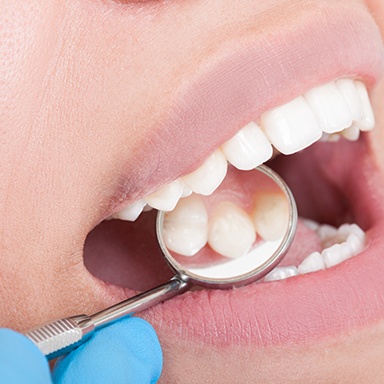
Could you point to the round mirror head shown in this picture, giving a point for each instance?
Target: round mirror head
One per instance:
(234, 236)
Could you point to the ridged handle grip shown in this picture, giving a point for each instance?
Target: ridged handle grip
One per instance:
(61, 336)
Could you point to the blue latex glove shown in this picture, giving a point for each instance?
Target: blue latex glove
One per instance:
(125, 352)
(21, 361)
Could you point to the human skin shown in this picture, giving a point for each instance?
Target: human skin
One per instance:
(83, 87)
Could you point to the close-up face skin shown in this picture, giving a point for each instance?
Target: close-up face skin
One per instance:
(103, 102)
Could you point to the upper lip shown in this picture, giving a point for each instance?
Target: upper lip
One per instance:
(234, 86)
(242, 79)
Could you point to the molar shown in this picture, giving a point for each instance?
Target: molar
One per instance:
(231, 232)
(185, 229)
(270, 215)
(248, 148)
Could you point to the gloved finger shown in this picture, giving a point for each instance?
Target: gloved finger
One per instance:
(21, 361)
(127, 351)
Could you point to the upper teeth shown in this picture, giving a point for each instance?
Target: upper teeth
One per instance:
(341, 107)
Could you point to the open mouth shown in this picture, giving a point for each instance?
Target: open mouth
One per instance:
(314, 142)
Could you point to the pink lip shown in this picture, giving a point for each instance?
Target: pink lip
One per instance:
(234, 86)
(242, 79)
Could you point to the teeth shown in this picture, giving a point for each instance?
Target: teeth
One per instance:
(248, 148)
(338, 109)
(166, 198)
(270, 215)
(330, 108)
(351, 96)
(368, 120)
(209, 176)
(231, 232)
(352, 133)
(186, 227)
(281, 273)
(312, 263)
(291, 127)
(130, 213)
(340, 244)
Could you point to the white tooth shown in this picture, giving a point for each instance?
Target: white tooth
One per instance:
(311, 224)
(346, 229)
(312, 263)
(130, 213)
(355, 243)
(352, 133)
(368, 120)
(185, 229)
(281, 273)
(330, 107)
(209, 176)
(186, 191)
(248, 148)
(330, 137)
(270, 215)
(326, 233)
(348, 89)
(231, 232)
(291, 127)
(166, 198)
(336, 254)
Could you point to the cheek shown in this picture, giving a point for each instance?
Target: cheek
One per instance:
(376, 8)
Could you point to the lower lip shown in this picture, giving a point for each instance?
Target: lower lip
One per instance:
(299, 309)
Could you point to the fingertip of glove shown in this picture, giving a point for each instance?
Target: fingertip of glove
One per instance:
(17, 349)
(126, 351)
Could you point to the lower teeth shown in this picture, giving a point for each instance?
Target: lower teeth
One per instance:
(339, 244)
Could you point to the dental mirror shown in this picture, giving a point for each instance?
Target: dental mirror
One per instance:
(229, 239)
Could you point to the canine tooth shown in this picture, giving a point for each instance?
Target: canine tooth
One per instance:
(231, 232)
(185, 228)
(312, 263)
(291, 127)
(209, 176)
(355, 243)
(336, 254)
(130, 213)
(330, 107)
(281, 273)
(367, 122)
(248, 148)
(166, 198)
(348, 89)
(270, 215)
